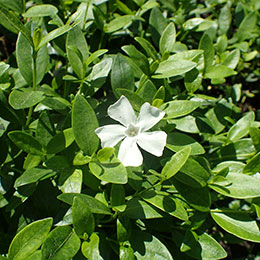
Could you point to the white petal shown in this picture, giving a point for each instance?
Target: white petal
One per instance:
(149, 116)
(110, 135)
(129, 154)
(152, 142)
(122, 112)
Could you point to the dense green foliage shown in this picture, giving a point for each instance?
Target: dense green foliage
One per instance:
(63, 63)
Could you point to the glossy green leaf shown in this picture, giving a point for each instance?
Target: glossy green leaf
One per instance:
(219, 71)
(178, 108)
(73, 183)
(175, 163)
(241, 186)
(25, 97)
(83, 219)
(126, 253)
(118, 23)
(198, 198)
(77, 51)
(224, 19)
(253, 165)
(37, 255)
(117, 197)
(148, 48)
(45, 128)
(112, 172)
(147, 246)
(168, 38)
(26, 142)
(25, 60)
(41, 10)
(55, 33)
(137, 208)
(171, 68)
(33, 175)
(138, 58)
(165, 203)
(232, 59)
(241, 127)
(177, 141)
(84, 124)
(238, 224)
(61, 243)
(207, 46)
(14, 22)
(90, 249)
(29, 239)
(121, 74)
(95, 55)
(93, 204)
(15, 5)
(61, 141)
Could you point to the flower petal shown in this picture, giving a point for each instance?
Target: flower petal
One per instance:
(149, 116)
(129, 154)
(152, 142)
(110, 135)
(122, 112)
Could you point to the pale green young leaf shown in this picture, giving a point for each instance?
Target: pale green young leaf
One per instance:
(41, 10)
(167, 39)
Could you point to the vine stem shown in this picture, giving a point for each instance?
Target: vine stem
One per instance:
(33, 86)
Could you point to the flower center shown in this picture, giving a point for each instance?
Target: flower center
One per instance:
(132, 130)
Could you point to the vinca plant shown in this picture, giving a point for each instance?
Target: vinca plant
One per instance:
(129, 129)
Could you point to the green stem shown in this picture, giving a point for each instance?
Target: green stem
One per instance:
(33, 86)
(232, 211)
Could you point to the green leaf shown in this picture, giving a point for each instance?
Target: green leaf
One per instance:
(121, 74)
(137, 208)
(255, 136)
(14, 23)
(174, 67)
(73, 183)
(247, 27)
(90, 249)
(26, 142)
(238, 224)
(118, 23)
(41, 10)
(95, 55)
(33, 175)
(232, 59)
(207, 46)
(165, 203)
(117, 197)
(60, 141)
(178, 108)
(94, 205)
(224, 19)
(25, 97)
(206, 247)
(147, 91)
(175, 163)
(25, 60)
(84, 124)
(135, 100)
(61, 243)
(157, 24)
(198, 198)
(219, 71)
(148, 48)
(168, 38)
(138, 58)
(147, 246)
(177, 141)
(55, 33)
(241, 186)
(83, 219)
(126, 253)
(77, 51)
(112, 172)
(253, 165)
(15, 5)
(29, 239)
(37, 255)
(45, 128)
(192, 80)
(241, 127)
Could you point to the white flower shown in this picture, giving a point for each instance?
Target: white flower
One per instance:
(133, 132)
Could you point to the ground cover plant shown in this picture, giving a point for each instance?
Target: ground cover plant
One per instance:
(129, 129)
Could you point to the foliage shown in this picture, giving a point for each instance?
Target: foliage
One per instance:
(62, 196)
